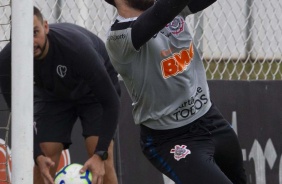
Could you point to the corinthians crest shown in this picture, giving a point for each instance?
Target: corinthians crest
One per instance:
(180, 152)
(62, 71)
(176, 26)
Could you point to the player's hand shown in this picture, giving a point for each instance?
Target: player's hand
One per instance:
(44, 164)
(97, 168)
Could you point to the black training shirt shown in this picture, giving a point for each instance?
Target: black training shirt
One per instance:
(76, 66)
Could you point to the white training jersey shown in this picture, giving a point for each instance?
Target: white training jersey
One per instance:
(165, 78)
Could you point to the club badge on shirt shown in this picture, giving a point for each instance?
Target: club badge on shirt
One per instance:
(180, 152)
(62, 71)
(176, 26)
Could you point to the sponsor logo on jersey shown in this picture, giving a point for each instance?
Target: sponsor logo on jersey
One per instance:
(116, 37)
(166, 33)
(180, 152)
(176, 26)
(177, 63)
(62, 71)
(192, 105)
(155, 35)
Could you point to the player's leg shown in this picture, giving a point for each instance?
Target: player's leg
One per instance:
(110, 175)
(228, 157)
(184, 154)
(228, 153)
(53, 126)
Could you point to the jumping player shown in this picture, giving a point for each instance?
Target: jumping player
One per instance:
(73, 79)
(183, 134)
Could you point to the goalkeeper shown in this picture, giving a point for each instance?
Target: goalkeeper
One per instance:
(183, 134)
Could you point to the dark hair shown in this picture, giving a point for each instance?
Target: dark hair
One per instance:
(38, 14)
(111, 2)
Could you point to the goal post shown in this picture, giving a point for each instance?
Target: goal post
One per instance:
(22, 92)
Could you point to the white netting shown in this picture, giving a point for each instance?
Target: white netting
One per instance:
(5, 154)
(241, 39)
(93, 15)
(5, 22)
(238, 39)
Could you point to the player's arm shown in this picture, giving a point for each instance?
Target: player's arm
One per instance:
(36, 148)
(161, 13)
(44, 163)
(97, 78)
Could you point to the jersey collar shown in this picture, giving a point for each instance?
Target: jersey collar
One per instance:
(123, 19)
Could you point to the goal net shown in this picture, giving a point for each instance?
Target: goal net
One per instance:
(5, 120)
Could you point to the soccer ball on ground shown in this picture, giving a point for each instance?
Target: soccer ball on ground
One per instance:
(70, 175)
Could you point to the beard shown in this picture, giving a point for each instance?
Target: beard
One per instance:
(42, 49)
(141, 4)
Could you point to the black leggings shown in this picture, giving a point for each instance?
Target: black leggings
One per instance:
(206, 151)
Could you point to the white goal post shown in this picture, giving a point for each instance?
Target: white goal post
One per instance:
(22, 92)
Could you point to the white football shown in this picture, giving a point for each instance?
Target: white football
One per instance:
(70, 175)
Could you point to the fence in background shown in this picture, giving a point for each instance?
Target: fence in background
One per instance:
(238, 40)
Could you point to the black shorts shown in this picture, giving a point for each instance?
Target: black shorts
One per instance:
(206, 151)
(54, 120)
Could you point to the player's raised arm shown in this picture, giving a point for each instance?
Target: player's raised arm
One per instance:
(161, 13)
